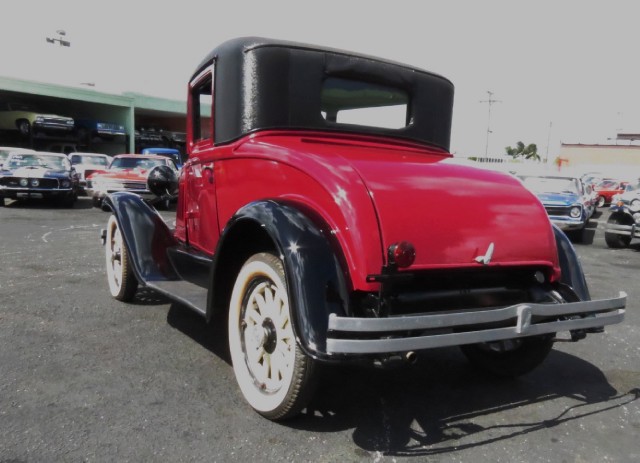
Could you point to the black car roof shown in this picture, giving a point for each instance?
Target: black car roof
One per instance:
(262, 83)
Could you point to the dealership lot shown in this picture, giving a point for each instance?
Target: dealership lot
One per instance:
(86, 378)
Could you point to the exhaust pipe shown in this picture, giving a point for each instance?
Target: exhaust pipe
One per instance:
(411, 357)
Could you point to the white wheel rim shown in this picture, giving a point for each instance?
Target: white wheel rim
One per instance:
(261, 338)
(113, 254)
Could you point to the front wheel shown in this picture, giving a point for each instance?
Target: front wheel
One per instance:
(274, 375)
(509, 358)
(122, 281)
(601, 201)
(614, 240)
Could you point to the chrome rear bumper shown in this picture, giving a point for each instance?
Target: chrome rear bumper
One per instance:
(350, 335)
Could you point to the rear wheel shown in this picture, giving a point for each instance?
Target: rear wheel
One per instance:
(601, 201)
(274, 375)
(511, 357)
(24, 127)
(122, 281)
(615, 240)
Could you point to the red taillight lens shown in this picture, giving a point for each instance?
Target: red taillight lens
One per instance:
(402, 254)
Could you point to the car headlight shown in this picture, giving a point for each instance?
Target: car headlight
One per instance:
(39, 119)
(24, 182)
(35, 182)
(575, 212)
(635, 205)
(66, 183)
(636, 217)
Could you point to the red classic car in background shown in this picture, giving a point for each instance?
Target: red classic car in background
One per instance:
(127, 172)
(606, 189)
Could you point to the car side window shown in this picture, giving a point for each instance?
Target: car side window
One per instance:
(202, 103)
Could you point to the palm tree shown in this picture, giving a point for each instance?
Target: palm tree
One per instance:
(529, 152)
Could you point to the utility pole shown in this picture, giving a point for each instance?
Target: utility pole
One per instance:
(546, 157)
(490, 101)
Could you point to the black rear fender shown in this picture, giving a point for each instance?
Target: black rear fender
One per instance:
(572, 274)
(316, 282)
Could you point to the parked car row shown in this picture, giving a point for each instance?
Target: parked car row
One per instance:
(26, 174)
(27, 120)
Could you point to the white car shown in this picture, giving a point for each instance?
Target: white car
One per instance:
(87, 163)
(630, 196)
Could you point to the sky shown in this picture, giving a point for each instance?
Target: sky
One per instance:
(562, 71)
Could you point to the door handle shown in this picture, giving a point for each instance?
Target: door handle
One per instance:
(208, 172)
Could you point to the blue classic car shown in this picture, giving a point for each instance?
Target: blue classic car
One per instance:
(171, 153)
(566, 200)
(86, 129)
(39, 175)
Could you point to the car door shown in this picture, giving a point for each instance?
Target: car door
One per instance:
(201, 217)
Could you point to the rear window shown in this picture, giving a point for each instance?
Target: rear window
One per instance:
(348, 101)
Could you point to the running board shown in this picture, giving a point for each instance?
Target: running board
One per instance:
(188, 294)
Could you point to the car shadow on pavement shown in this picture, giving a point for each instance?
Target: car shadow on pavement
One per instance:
(211, 336)
(147, 296)
(441, 405)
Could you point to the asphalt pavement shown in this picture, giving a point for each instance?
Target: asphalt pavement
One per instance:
(84, 377)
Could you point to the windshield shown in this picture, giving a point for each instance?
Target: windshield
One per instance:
(551, 184)
(90, 160)
(38, 160)
(136, 163)
(608, 184)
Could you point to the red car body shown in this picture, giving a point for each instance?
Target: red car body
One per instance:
(606, 189)
(337, 177)
(323, 239)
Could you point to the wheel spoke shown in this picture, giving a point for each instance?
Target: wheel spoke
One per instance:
(253, 316)
(268, 297)
(259, 302)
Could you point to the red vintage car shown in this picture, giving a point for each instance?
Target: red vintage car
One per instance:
(318, 220)
(606, 189)
(127, 172)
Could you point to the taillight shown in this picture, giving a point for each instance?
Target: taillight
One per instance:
(402, 254)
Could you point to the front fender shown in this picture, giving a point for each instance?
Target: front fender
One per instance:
(146, 236)
(317, 285)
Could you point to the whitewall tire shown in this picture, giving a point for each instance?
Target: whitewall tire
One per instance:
(122, 281)
(274, 375)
